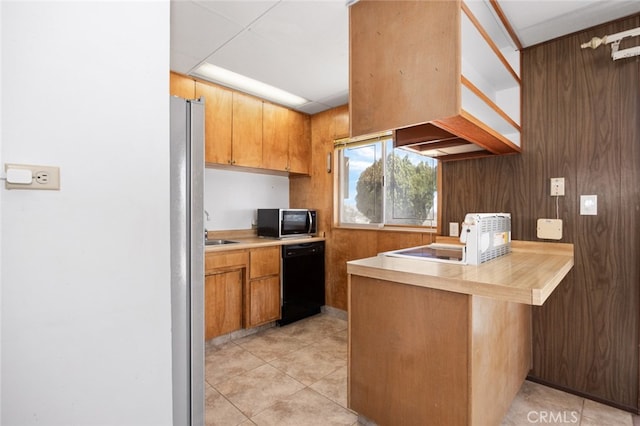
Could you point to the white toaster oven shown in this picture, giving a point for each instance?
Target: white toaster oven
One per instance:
(486, 236)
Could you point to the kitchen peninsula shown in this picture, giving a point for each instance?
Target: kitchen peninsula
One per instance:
(442, 343)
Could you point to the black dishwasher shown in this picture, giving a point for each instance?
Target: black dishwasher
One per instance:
(302, 281)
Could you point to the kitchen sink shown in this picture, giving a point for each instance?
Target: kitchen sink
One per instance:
(218, 242)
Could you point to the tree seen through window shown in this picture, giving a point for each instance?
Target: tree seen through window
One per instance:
(382, 184)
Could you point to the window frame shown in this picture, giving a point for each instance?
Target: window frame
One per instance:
(339, 146)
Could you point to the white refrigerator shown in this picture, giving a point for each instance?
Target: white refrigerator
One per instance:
(187, 260)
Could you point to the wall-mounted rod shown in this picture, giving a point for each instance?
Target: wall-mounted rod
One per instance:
(615, 39)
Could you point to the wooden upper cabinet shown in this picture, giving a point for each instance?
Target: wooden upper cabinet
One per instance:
(443, 75)
(217, 122)
(182, 86)
(286, 143)
(246, 139)
(275, 144)
(341, 122)
(245, 131)
(299, 138)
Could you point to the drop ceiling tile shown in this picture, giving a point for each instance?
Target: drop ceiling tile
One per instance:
(179, 62)
(197, 32)
(336, 99)
(529, 13)
(241, 12)
(535, 22)
(319, 26)
(313, 108)
(300, 72)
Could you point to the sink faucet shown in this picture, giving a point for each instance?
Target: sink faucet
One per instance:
(206, 232)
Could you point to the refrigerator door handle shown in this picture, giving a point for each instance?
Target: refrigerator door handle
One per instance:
(187, 259)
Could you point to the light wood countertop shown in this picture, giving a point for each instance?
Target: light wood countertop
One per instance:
(254, 242)
(529, 274)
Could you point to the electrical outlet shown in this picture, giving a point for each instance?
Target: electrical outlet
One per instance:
(557, 187)
(44, 177)
(454, 229)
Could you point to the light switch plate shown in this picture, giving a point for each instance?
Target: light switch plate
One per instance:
(454, 229)
(549, 229)
(589, 205)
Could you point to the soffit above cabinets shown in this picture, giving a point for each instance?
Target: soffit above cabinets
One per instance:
(302, 46)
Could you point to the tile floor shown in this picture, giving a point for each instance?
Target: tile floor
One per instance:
(297, 375)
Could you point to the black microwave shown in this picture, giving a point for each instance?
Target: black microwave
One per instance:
(283, 223)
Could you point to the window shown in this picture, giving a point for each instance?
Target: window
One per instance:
(380, 184)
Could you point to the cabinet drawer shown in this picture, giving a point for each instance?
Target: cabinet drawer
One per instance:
(264, 262)
(225, 260)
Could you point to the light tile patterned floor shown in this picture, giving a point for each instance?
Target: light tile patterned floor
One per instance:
(297, 375)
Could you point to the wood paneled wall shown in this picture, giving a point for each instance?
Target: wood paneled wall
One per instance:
(581, 121)
(316, 191)
(352, 244)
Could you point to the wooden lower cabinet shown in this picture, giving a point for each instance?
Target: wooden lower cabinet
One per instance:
(241, 289)
(264, 262)
(262, 301)
(421, 356)
(262, 296)
(224, 281)
(223, 302)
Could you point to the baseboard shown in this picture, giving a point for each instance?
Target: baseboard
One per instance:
(335, 312)
(632, 410)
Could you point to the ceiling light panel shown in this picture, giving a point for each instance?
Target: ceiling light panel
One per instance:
(301, 72)
(248, 85)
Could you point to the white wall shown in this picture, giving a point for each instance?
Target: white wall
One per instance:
(85, 275)
(232, 197)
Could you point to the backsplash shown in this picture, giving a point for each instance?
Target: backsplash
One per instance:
(232, 197)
